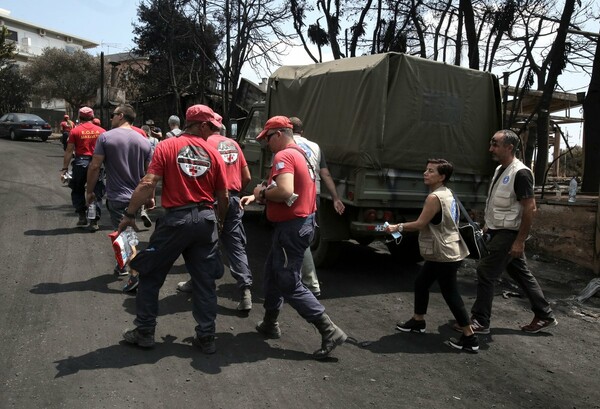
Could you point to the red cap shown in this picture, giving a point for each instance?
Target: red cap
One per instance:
(86, 113)
(66, 117)
(96, 121)
(277, 122)
(219, 119)
(201, 113)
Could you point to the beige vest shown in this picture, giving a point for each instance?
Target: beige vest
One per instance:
(442, 242)
(503, 210)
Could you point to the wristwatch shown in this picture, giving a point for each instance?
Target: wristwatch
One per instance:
(128, 215)
(261, 194)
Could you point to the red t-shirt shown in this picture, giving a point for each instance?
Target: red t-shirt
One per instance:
(192, 170)
(84, 137)
(290, 160)
(233, 157)
(66, 126)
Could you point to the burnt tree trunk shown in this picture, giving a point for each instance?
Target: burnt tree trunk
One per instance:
(591, 130)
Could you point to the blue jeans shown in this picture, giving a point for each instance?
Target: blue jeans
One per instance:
(490, 269)
(283, 278)
(233, 238)
(193, 234)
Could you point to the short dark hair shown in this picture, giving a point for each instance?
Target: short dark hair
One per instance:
(443, 167)
(510, 138)
(128, 112)
(297, 124)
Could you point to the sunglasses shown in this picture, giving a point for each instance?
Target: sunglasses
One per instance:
(269, 135)
(112, 114)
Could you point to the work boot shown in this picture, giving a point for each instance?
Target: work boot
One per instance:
(246, 301)
(83, 220)
(94, 226)
(269, 326)
(331, 336)
(141, 337)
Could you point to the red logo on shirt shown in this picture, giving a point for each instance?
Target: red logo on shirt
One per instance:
(193, 161)
(228, 152)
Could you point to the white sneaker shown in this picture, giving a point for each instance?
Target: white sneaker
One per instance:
(185, 286)
(245, 303)
(145, 218)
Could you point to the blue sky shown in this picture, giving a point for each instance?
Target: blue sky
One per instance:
(107, 22)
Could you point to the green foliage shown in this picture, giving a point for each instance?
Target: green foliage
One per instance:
(72, 76)
(572, 163)
(7, 48)
(14, 88)
(179, 47)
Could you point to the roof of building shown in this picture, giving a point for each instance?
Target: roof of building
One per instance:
(5, 18)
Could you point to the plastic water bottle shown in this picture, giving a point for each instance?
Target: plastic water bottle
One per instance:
(572, 190)
(91, 213)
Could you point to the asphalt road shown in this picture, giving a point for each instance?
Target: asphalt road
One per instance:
(63, 312)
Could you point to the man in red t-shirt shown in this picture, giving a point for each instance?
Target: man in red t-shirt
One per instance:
(81, 142)
(193, 178)
(233, 236)
(65, 127)
(290, 199)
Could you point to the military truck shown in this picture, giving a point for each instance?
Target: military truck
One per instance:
(377, 119)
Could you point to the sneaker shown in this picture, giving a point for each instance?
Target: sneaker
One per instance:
(537, 325)
(141, 338)
(412, 325)
(245, 303)
(185, 286)
(206, 343)
(94, 226)
(132, 283)
(475, 326)
(469, 344)
(120, 272)
(145, 218)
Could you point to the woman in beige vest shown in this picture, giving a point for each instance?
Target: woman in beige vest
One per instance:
(443, 249)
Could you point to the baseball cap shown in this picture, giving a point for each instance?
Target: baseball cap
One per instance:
(219, 119)
(86, 113)
(201, 113)
(96, 121)
(66, 117)
(276, 122)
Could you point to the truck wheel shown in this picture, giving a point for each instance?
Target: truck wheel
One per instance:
(13, 135)
(407, 251)
(44, 138)
(325, 253)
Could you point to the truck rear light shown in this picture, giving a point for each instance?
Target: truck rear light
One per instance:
(370, 215)
(46, 126)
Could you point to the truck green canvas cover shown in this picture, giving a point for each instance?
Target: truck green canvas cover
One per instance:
(392, 111)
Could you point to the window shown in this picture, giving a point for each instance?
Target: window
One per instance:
(12, 35)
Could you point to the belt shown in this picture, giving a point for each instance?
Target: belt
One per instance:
(199, 206)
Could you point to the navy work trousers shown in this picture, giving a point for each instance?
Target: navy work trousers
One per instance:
(193, 234)
(283, 278)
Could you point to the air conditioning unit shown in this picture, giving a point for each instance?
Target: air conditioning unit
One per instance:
(41, 31)
(69, 39)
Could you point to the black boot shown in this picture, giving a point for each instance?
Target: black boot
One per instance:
(83, 221)
(331, 336)
(141, 337)
(269, 326)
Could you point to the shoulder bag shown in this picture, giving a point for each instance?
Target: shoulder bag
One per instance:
(472, 234)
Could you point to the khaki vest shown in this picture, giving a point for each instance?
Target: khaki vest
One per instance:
(503, 210)
(442, 242)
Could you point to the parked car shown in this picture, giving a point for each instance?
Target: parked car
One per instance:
(21, 125)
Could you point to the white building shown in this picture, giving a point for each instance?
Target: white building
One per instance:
(31, 39)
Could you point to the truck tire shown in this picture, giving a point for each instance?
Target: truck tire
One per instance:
(44, 138)
(13, 135)
(325, 253)
(407, 251)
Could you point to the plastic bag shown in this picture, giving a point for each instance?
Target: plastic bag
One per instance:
(124, 245)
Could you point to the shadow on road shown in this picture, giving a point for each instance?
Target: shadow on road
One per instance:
(231, 349)
(97, 284)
